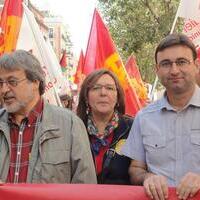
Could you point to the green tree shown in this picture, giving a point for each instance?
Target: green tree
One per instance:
(137, 26)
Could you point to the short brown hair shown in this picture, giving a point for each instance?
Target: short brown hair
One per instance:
(173, 40)
(89, 81)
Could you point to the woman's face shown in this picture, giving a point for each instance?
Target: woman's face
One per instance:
(102, 97)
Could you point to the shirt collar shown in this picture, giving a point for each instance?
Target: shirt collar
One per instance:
(194, 101)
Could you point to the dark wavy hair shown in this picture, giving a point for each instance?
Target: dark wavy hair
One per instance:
(89, 81)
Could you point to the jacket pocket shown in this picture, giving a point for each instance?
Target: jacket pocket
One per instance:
(55, 167)
(55, 157)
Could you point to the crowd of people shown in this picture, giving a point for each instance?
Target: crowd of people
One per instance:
(158, 148)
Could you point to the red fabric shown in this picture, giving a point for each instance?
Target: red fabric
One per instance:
(134, 73)
(28, 135)
(132, 68)
(10, 24)
(15, 8)
(77, 192)
(102, 53)
(79, 70)
(99, 157)
(63, 60)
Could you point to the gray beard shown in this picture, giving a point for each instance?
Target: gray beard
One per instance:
(14, 108)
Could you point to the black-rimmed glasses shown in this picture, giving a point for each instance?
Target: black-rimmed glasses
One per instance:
(11, 82)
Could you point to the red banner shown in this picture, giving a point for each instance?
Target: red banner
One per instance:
(76, 192)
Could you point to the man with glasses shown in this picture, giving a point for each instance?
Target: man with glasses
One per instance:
(39, 142)
(164, 142)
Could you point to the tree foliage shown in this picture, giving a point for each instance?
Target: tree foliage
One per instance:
(137, 26)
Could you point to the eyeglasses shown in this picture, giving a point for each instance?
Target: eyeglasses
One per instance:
(180, 62)
(108, 88)
(11, 82)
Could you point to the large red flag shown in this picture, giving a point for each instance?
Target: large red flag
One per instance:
(10, 23)
(63, 61)
(79, 71)
(136, 79)
(102, 53)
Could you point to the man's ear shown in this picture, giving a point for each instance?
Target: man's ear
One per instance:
(36, 84)
(197, 63)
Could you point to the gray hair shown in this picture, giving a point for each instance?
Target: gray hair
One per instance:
(21, 59)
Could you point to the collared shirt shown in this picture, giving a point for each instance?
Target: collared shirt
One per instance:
(21, 143)
(168, 141)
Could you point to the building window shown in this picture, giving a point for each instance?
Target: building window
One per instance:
(50, 32)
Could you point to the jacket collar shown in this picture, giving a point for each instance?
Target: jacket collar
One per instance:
(48, 121)
(122, 129)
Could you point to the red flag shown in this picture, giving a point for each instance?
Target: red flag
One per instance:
(101, 53)
(79, 71)
(134, 73)
(10, 24)
(63, 61)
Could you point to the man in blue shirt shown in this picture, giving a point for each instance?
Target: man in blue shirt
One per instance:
(164, 142)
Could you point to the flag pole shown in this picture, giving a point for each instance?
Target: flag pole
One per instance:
(172, 30)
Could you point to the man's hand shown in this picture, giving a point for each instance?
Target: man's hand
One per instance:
(189, 186)
(156, 187)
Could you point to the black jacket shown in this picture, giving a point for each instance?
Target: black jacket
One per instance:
(115, 166)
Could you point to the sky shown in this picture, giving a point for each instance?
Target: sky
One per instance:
(77, 14)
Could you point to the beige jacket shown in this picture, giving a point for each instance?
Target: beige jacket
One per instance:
(60, 151)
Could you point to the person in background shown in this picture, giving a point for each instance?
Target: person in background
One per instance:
(101, 107)
(39, 142)
(164, 140)
(66, 101)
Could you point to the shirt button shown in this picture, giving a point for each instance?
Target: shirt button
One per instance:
(29, 125)
(18, 153)
(16, 173)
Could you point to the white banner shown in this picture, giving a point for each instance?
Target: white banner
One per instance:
(189, 9)
(31, 39)
(192, 30)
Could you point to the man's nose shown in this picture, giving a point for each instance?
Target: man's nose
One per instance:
(174, 68)
(4, 87)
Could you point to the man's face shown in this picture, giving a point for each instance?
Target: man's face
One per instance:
(19, 95)
(176, 69)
